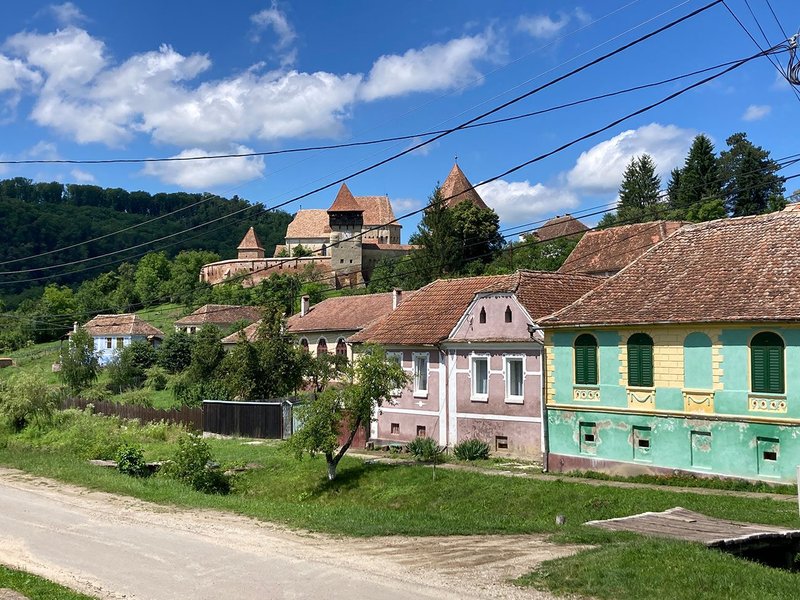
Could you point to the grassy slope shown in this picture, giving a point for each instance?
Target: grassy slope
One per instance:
(36, 588)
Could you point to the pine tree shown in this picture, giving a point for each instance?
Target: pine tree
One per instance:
(699, 178)
(750, 183)
(639, 191)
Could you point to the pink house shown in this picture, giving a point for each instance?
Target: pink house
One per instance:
(474, 355)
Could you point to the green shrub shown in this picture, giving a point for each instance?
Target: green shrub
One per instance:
(472, 449)
(96, 393)
(175, 352)
(424, 449)
(193, 465)
(136, 398)
(190, 392)
(27, 399)
(130, 461)
(157, 378)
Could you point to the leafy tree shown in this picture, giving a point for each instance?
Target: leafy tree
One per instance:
(299, 251)
(750, 181)
(241, 369)
(184, 284)
(391, 273)
(79, 363)
(231, 293)
(27, 399)
(367, 385)
(478, 230)
(152, 274)
(279, 290)
(537, 256)
(125, 297)
(207, 353)
(128, 369)
(281, 361)
(175, 352)
(699, 180)
(54, 313)
(639, 191)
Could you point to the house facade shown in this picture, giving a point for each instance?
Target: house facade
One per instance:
(473, 360)
(112, 333)
(688, 359)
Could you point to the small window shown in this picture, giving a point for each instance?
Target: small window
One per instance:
(586, 360)
(482, 316)
(322, 346)
(108, 343)
(421, 373)
(193, 330)
(341, 348)
(501, 442)
(587, 439)
(509, 315)
(766, 363)
(120, 343)
(421, 431)
(640, 360)
(395, 428)
(515, 378)
(304, 344)
(480, 377)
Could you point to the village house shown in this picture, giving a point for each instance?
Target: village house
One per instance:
(474, 358)
(560, 227)
(323, 328)
(688, 359)
(224, 316)
(605, 252)
(112, 333)
(346, 242)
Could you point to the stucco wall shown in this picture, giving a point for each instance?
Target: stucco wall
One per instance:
(495, 326)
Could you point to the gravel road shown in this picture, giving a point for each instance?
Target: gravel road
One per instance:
(118, 547)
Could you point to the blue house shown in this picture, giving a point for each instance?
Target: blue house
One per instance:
(112, 333)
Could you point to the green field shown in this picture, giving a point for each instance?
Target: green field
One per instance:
(35, 588)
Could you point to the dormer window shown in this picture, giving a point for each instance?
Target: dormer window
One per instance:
(482, 316)
(508, 314)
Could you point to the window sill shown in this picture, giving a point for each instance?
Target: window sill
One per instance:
(421, 394)
(515, 400)
(479, 398)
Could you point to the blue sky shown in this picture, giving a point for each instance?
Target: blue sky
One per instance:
(98, 79)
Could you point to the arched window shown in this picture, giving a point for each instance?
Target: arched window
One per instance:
(586, 360)
(640, 360)
(322, 346)
(482, 316)
(508, 314)
(341, 348)
(766, 363)
(304, 344)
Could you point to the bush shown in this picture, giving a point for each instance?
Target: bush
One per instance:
(190, 392)
(424, 449)
(130, 461)
(26, 399)
(175, 352)
(135, 398)
(96, 393)
(193, 465)
(157, 378)
(127, 370)
(473, 449)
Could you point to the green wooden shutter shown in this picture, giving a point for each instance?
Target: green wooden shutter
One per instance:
(580, 364)
(640, 360)
(634, 369)
(758, 361)
(775, 375)
(646, 362)
(591, 364)
(586, 360)
(766, 363)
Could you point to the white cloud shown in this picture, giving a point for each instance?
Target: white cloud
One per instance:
(82, 176)
(600, 169)
(435, 67)
(520, 202)
(66, 13)
(205, 174)
(43, 150)
(404, 205)
(542, 26)
(14, 74)
(756, 112)
(276, 20)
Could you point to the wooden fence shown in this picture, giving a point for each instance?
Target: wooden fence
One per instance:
(191, 418)
(271, 419)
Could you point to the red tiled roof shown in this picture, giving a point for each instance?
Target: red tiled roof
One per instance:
(124, 324)
(433, 312)
(220, 314)
(250, 241)
(249, 333)
(745, 269)
(344, 201)
(457, 189)
(377, 246)
(559, 227)
(309, 223)
(607, 251)
(377, 210)
(345, 313)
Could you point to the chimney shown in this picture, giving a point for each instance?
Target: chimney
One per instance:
(397, 297)
(305, 302)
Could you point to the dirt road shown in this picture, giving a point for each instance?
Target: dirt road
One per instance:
(118, 547)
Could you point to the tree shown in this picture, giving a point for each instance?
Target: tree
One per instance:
(639, 191)
(184, 284)
(699, 180)
(478, 231)
(750, 183)
(367, 385)
(152, 274)
(175, 352)
(79, 363)
(128, 369)
(207, 353)
(26, 399)
(537, 256)
(299, 251)
(54, 313)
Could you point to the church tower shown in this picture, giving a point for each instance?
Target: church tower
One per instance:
(346, 221)
(250, 247)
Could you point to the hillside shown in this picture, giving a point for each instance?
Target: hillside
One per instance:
(40, 217)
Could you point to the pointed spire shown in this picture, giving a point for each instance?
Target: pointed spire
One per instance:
(456, 189)
(345, 201)
(250, 241)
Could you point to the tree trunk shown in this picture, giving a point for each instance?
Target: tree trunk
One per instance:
(332, 464)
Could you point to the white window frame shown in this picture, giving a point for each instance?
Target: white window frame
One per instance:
(507, 360)
(474, 395)
(398, 356)
(420, 393)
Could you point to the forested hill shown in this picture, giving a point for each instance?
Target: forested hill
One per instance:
(39, 217)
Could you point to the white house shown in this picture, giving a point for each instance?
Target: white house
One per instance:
(112, 333)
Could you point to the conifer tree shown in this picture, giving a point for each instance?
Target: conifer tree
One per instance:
(699, 178)
(639, 191)
(750, 183)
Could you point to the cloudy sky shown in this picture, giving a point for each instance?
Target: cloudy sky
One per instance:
(102, 80)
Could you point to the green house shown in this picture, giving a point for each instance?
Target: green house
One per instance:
(688, 359)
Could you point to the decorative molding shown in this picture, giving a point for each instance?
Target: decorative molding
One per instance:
(641, 398)
(770, 404)
(698, 401)
(585, 394)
